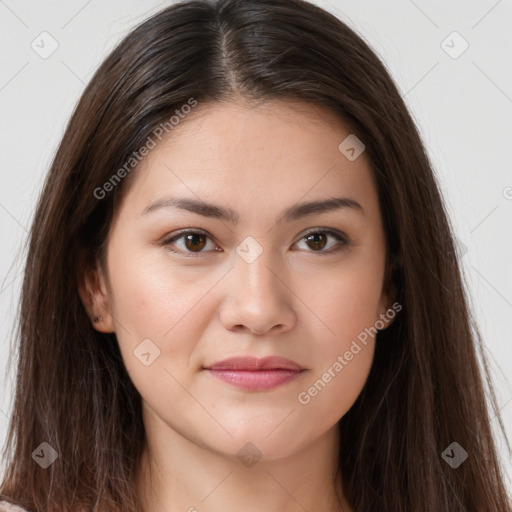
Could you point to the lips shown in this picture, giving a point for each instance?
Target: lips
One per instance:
(255, 364)
(251, 373)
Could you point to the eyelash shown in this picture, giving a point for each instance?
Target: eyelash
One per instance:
(338, 236)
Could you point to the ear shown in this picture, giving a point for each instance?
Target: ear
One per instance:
(95, 298)
(388, 307)
(387, 312)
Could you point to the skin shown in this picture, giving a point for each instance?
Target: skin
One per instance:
(293, 300)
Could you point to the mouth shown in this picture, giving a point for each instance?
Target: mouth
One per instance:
(253, 374)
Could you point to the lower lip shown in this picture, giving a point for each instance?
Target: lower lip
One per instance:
(255, 380)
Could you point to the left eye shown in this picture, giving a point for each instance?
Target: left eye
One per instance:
(318, 240)
(196, 241)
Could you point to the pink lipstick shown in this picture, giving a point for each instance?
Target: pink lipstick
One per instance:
(255, 374)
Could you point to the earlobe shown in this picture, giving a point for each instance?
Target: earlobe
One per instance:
(94, 295)
(388, 317)
(387, 313)
(389, 307)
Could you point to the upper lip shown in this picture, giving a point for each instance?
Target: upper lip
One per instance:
(254, 364)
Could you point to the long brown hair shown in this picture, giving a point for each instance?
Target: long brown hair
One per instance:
(429, 382)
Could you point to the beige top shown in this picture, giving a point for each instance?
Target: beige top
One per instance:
(5, 506)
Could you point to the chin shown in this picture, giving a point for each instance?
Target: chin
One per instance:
(257, 441)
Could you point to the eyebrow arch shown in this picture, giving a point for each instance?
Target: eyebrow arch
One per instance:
(296, 212)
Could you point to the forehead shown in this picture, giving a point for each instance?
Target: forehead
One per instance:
(244, 154)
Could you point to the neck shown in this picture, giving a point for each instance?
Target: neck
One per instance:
(183, 476)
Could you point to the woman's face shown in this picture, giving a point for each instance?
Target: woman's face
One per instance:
(260, 279)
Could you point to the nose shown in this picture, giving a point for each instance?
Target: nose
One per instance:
(257, 298)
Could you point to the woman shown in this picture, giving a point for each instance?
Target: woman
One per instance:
(242, 290)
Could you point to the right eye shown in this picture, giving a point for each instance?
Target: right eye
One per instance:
(193, 241)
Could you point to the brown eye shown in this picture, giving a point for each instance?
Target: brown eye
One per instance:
(195, 241)
(317, 240)
(190, 242)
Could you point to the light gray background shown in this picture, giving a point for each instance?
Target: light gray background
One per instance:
(463, 107)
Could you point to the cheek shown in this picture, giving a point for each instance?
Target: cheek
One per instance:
(161, 315)
(151, 300)
(332, 391)
(344, 347)
(347, 301)
(344, 352)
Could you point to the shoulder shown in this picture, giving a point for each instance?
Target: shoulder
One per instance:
(5, 506)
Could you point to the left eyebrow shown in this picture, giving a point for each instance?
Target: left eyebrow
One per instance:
(219, 212)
